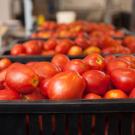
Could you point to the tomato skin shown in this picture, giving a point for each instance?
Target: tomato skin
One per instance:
(44, 69)
(32, 48)
(77, 65)
(115, 93)
(4, 63)
(95, 61)
(60, 61)
(123, 79)
(116, 64)
(50, 44)
(21, 78)
(65, 86)
(92, 96)
(132, 94)
(7, 94)
(18, 50)
(96, 81)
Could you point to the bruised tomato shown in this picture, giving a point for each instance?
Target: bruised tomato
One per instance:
(96, 82)
(60, 60)
(77, 65)
(115, 93)
(65, 86)
(18, 50)
(123, 79)
(4, 63)
(44, 69)
(21, 78)
(7, 94)
(95, 61)
(92, 96)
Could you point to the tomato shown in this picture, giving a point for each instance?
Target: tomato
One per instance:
(48, 53)
(7, 94)
(4, 63)
(32, 48)
(50, 44)
(115, 64)
(77, 65)
(36, 95)
(44, 69)
(123, 79)
(75, 51)
(92, 96)
(60, 60)
(18, 50)
(109, 58)
(95, 61)
(43, 87)
(132, 94)
(66, 85)
(21, 78)
(92, 49)
(2, 78)
(97, 81)
(63, 46)
(115, 93)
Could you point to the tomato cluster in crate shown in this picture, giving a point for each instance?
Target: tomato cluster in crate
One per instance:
(86, 38)
(93, 77)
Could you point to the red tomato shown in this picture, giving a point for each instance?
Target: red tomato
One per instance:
(109, 58)
(43, 87)
(36, 95)
(7, 94)
(50, 44)
(95, 61)
(66, 85)
(92, 96)
(2, 78)
(75, 51)
(116, 93)
(21, 78)
(32, 48)
(63, 46)
(4, 63)
(123, 79)
(60, 60)
(97, 81)
(44, 69)
(132, 94)
(77, 65)
(115, 64)
(18, 50)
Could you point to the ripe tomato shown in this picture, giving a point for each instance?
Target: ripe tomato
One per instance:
(21, 78)
(115, 93)
(123, 79)
(95, 61)
(32, 48)
(50, 44)
(43, 87)
(7, 94)
(92, 49)
(18, 50)
(96, 81)
(75, 51)
(63, 46)
(77, 65)
(66, 85)
(4, 63)
(132, 94)
(60, 60)
(44, 69)
(116, 64)
(92, 96)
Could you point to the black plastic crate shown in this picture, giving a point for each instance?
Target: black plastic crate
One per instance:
(46, 117)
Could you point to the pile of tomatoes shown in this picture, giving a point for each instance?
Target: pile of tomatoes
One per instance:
(93, 77)
(78, 38)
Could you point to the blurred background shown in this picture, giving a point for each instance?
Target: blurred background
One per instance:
(19, 17)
